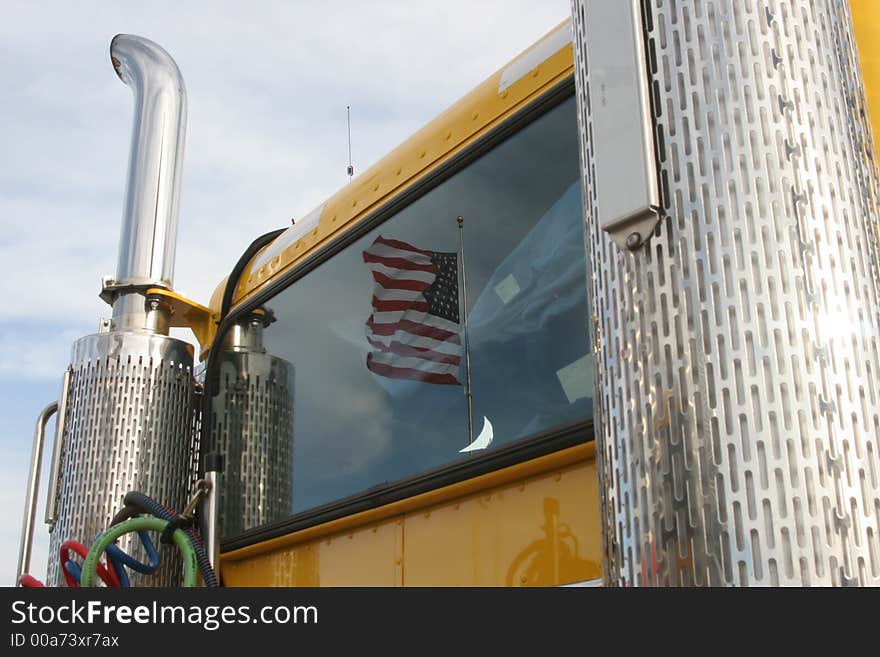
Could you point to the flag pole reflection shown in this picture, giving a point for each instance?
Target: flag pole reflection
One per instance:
(464, 329)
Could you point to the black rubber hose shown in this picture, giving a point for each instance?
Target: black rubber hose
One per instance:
(246, 257)
(139, 503)
(136, 502)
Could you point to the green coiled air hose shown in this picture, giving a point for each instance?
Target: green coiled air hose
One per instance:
(190, 567)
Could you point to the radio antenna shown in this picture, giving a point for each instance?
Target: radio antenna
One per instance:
(348, 117)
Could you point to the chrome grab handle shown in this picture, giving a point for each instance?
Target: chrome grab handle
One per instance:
(30, 508)
(55, 468)
(211, 510)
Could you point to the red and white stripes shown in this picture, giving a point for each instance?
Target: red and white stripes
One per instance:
(410, 341)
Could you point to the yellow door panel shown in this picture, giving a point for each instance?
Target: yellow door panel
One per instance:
(369, 556)
(535, 523)
(542, 531)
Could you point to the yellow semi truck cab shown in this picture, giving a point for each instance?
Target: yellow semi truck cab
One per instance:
(396, 478)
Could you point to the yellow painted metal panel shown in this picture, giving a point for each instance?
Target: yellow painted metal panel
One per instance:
(369, 556)
(866, 20)
(542, 531)
(515, 473)
(535, 524)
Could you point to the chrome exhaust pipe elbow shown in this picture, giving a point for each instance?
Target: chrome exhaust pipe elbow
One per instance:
(149, 224)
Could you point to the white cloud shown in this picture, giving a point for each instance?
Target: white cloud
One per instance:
(37, 353)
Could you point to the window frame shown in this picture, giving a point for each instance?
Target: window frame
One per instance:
(523, 449)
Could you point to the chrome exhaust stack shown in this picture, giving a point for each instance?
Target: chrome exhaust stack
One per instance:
(149, 221)
(736, 340)
(130, 417)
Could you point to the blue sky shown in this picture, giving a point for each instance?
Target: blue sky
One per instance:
(267, 82)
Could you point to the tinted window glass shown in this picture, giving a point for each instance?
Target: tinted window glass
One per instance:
(369, 348)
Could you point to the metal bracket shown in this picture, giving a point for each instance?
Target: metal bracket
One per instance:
(111, 288)
(185, 313)
(622, 130)
(203, 487)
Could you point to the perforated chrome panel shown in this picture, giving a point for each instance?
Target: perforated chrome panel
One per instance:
(129, 427)
(253, 429)
(737, 351)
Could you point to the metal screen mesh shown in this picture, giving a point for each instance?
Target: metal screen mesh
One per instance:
(129, 427)
(737, 355)
(253, 428)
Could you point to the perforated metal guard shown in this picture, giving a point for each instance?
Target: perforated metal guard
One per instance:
(737, 352)
(253, 428)
(129, 427)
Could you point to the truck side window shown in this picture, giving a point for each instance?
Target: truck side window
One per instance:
(369, 347)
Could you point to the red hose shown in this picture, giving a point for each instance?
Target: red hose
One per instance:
(30, 582)
(107, 575)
